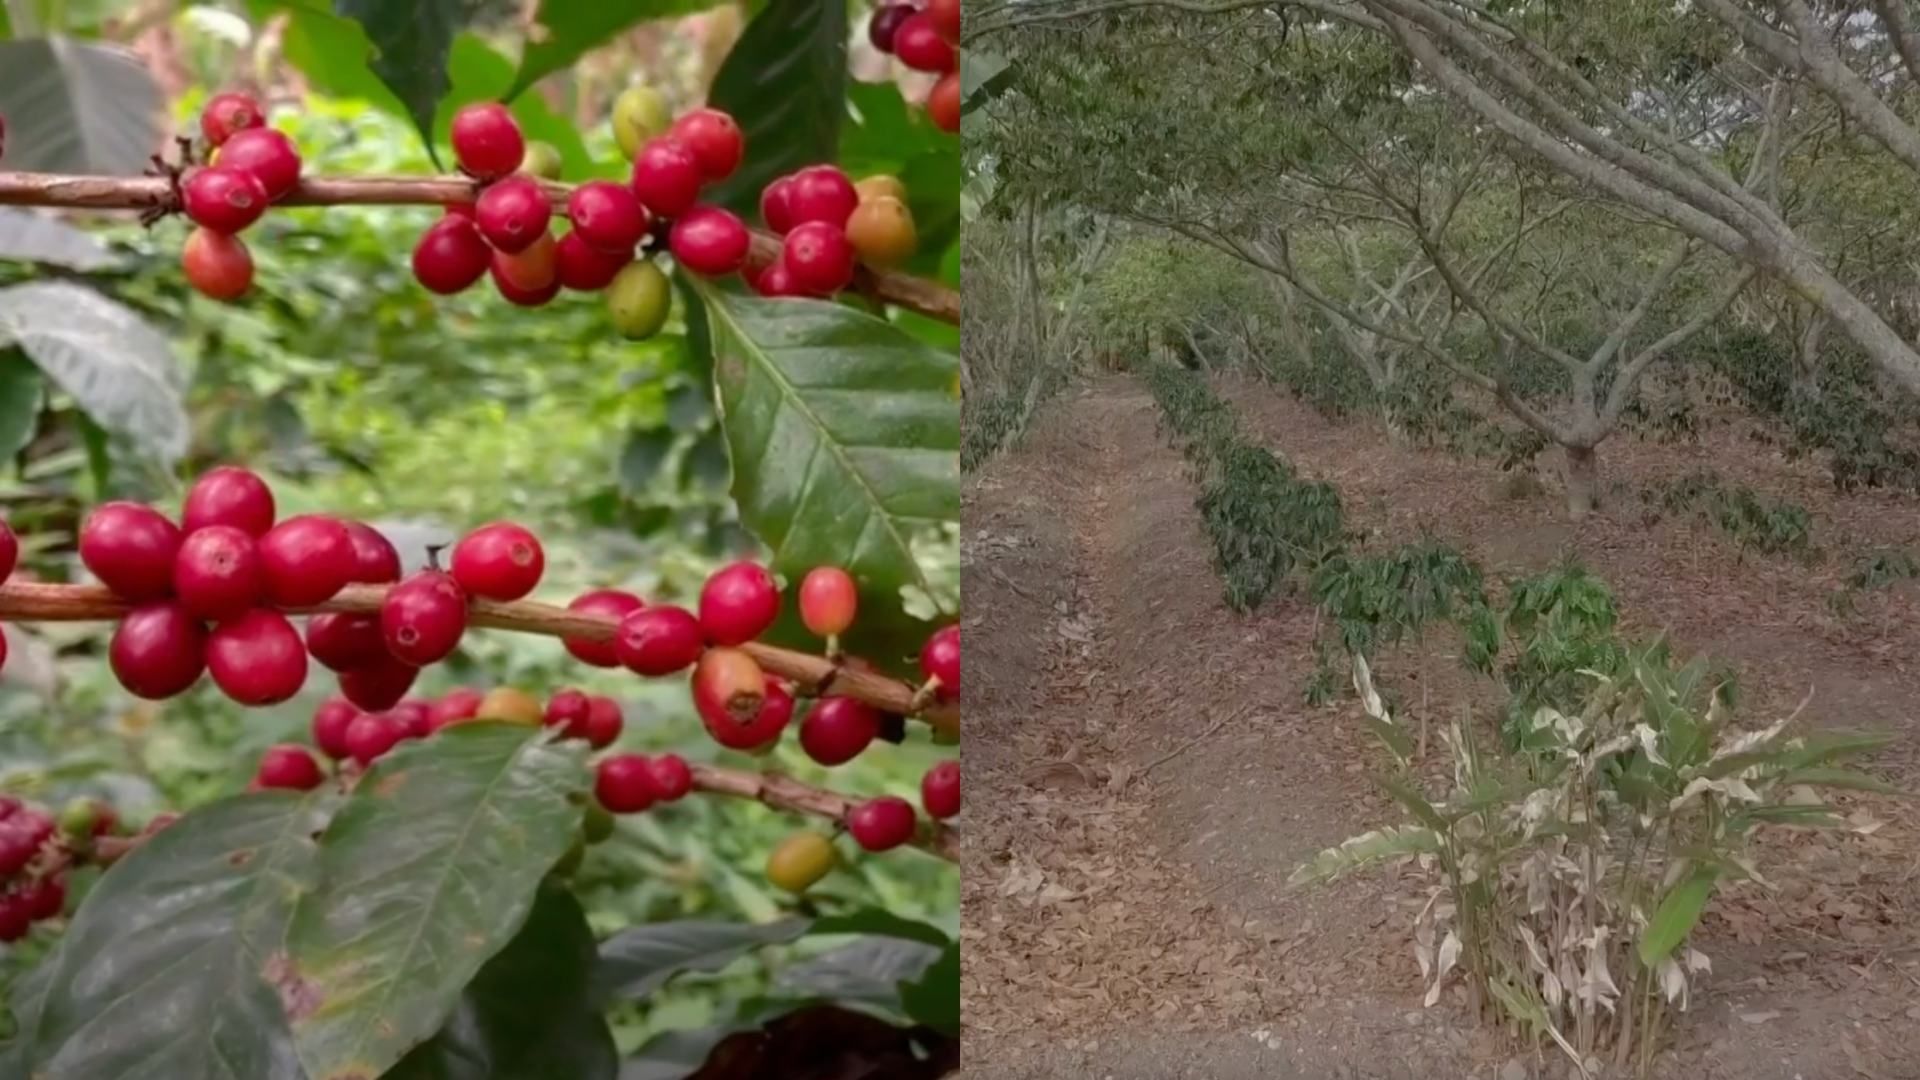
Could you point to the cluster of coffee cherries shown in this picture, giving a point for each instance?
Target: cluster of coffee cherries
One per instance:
(506, 231)
(33, 885)
(799, 861)
(827, 223)
(251, 166)
(923, 34)
(344, 732)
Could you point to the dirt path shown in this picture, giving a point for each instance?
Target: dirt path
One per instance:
(1143, 776)
(1144, 782)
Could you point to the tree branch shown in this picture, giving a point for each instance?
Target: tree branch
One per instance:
(1899, 25)
(1622, 389)
(22, 601)
(156, 193)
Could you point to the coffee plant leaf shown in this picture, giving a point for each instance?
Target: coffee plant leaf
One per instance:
(29, 236)
(564, 30)
(117, 367)
(528, 1014)
(869, 970)
(785, 83)
(844, 435)
(410, 43)
(933, 999)
(427, 871)
(73, 107)
(636, 962)
(21, 392)
(166, 968)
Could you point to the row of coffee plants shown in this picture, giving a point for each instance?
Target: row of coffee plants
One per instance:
(1570, 859)
(1749, 519)
(1265, 521)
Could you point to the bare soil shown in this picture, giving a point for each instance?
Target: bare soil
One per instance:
(1144, 774)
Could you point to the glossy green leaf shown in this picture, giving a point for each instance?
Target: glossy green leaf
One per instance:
(634, 963)
(28, 236)
(21, 394)
(868, 970)
(566, 29)
(168, 967)
(844, 433)
(1679, 912)
(785, 83)
(117, 367)
(528, 1014)
(411, 43)
(333, 53)
(934, 998)
(77, 108)
(428, 870)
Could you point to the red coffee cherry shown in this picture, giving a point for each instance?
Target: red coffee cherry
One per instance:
(501, 561)
(533, 270)
(378, 685)
(216, 574)
(838, 729)
(486, 140)
(288, 766)
(828, 600)
(659, 641)
(940, 659)
(669, 777)
(306, 560)
(16, 916)
(614, 602)
(512, 214)
(774, 208)
(604, 721)
(225, 200)
(453, 707)
(776, 281)
(218, 265)
(227, 113)
(886, 23)
(374, 559)
(519, 297)
(882, 824)
(257, 658)
(943, 102)
(423, 618)
(47, 899)
(371, 735)
(715, 140)
(940, 790)
(620, 784)
(415, 718)
(158, 651)
(451, 256)
(267, 154)
(330, 723)
(607, 216)
(568, 710)
(229, 495)
(343, 642)
(582, 268)
(710, 241)
(821, 193)
(738, 603)
(130, 548)
(731, 695)
(9, 551)
(918, 44)
(666, 177)
(820, 258)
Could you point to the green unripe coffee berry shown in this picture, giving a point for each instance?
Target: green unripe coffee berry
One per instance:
(800, 861)
(542, 160)
(78, 818)
(639, 299)
(639, 114)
